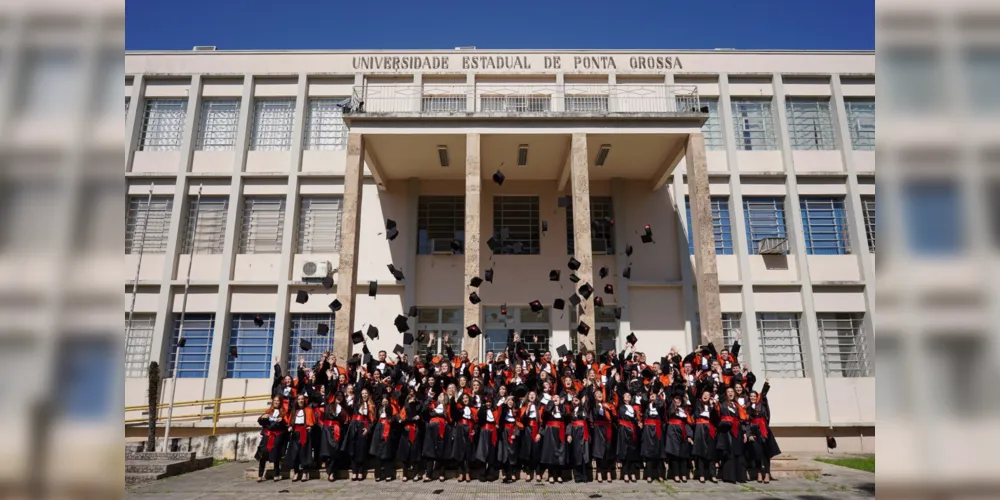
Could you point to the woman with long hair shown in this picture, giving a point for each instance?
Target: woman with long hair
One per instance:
(629, 428)
(602, 416)
(706, 413)
(553, 449)
(531, 445)
(508, 445)
(679, 438)
(651, 438)
(356, 441)
(762, 444)
(410, 445)
(437, 418)
(731, 439)
(462, 443)
(333, 425)
(298, 455)
(274, 427)
(578, 439)
(486, 446)
(381, 447)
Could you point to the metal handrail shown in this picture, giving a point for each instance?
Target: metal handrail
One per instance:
(214, 412)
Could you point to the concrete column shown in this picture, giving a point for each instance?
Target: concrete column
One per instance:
(706, 272)
(473, 227)
(580, 185)
(691, 335)
(619, 205)
(347, 274)
(133, 119)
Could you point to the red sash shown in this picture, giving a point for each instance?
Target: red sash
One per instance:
(411, 428)
(272, 436)
(441, 425)
(335, 426)
(682, 424)
(471, 428)
(586, 431)
(629, 425)
(386, 427)
(604, 424)
(511, 429)
(762, 423)
(705, 421)
(360, 418)
(735, 422)
(491, 427)
(533, 424)
(559, 424)
(303, 434)
(658, 424)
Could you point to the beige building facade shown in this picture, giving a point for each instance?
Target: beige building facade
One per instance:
(251, 176)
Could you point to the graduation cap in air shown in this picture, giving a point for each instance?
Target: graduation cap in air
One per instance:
(305, 345)
(328, 282)
(503, 309)
(475, 282)
(627, 273)
(407, 338)
(355, 360)
(367, 358)
(372, 332)
(396, 273)
(562, 351)
(398, 350)
(412, 312)
(598, 301)
(322, 329)
(258, 320)
(535, 306)
(401, 323)
(301, 297)
(628, 250)
(488, 275)
(335, 305)
(554, 275)
(372, 288)
(473, 331)
(474, 298)
(357, 337)
(583, 328)
(618, 313)
(574, 299)
(603, 273)
(456, 246)
(609, 289)
(498, 177)
(585, 290)
(492, 243)
(564, 201)
(632, 339)
(181, 342)
(573, 264)
(391, 232)
(574, 278)
(559, 304)
(545, 226)
(647, 236)
(233, 353)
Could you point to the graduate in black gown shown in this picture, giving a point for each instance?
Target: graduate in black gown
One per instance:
(437, 417)
(410, 449)
(355, 445)
(706, 414)
(531, 443)
(762, 446)
(382, 443)
(298, 455)
(578, 438)
(508, 444)
(602, 448)
(553, 451)
(273, 434)
(731, 439)
(489, 432)
(651, 438)
(333, 426)
(679, 438)
(463, 438)
(628, 442)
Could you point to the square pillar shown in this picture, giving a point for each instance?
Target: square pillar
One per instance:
(473, 226)
(347, 271)
(707, 271)
(580, 185)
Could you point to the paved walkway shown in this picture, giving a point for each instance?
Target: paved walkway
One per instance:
(226, 482)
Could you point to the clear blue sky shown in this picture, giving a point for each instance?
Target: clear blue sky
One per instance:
(500, 24)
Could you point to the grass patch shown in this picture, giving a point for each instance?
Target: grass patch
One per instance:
(221, 461)
(866, 464)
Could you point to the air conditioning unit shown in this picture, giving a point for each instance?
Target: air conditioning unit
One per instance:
(441, 247)
(772, 246)
(316, 269)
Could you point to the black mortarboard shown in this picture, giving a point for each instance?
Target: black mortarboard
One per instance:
(598, 301)
(831, 442)
(401, 323)
(562, 351)
(354, 361)
(258, 320)
(536, 306)
(573, 264)
(559, 304)
(564, 201)
(367, 358)
(473, 331)
(498, 178)
(407, 338)
(503, 309)
(322, 329)
(475, 281)
(372, 332)
(609, 289)
(618, 313)
(492, 243)
(554, 275)
(301, 297)
(456, 246)
(603, 273)
(632, 339)
(398, 349)
(372, 288)
(574, 299)
(574, 278)
(357, 337)
(647, 236)
(232, 352)
(520, 392)
(627, 273)
(412, 312)
(628, 250)
(396, 273)
(488, 275)
(335, 305)
(328, 282)
(305, 345)
(585, 290)
(474, 298)
(545, 225)
(181, 342)
(390, 230)
(583, 328)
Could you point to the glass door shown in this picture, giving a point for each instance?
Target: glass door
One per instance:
(534, 328)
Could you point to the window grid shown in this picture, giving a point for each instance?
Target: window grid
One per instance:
(217, 125)
(604, 317)
(586, 103)
(868, 206)
(147, 225)
(206, 225)
(325, 129)
(519, 216)
(781, 345)
(263, 225)
(765, 218)
(196, 355)
(272, 125)
(861, 122)
(721, 228)
(320, 224)
(443, 103)
(163, 124)
(253, 347)
(753, 123)
(602, 234)
(515, 103)
(499, 328)
(138, 344)
(440, 322)
(731, 328)
(810, 126)
(712, 129)
(824, 224)
(439, 218)
(303, 327)
(845, 350)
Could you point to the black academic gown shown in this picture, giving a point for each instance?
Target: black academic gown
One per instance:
(487, 437)
(628, 443)
(332, 428)
(651, 442)
(729, 444)
(463, 437)
(382, 437)
(554, 422)
(508, 440)
(531, 451)
(273, 437)
(705, 418)
(764, 445)
(578, 452)
(299, 441)
(355, 443)
(437, 418)
(676, 434)
(602, 434)
(410, 447)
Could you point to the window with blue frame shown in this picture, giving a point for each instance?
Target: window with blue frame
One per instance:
(721, 228)
(765, 218)
(89, 374)
(253, 347)
(933, 217)
(192, 360)
(303, 327)
(824, 225)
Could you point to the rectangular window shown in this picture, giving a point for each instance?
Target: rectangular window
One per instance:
(914, 73)
(712, 129)
(515, 103)
(303, 327)
(440, 220)
(868, 206)
(780, 345)
(253, 347)
(86, 368)
(810, 125)
(765, 218)
(206, 225)
(442, 103)
(721, 228)
(272, 125)
(218, 124)
(192, 360)
(604, 329)
(263, 224)
(753, 123)
(163, 124)
(319, 224)
(861, 122)
(824, 224)
(535, 328)
(325, 128)
(982, 70)
(731, 328)
(602, 231)
(933, 217)
(138, 344)
(439, 323)
(147, 225)
(845, 351)
(586, 103)
(515, 225)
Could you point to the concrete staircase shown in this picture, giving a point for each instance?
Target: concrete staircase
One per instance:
(144, 467)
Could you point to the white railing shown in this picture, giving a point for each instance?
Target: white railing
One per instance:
(524, 99)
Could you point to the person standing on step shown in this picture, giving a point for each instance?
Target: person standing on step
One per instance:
(602, 417)
(410, 444)
(486, 445)
(731, 439)
(437, 418)
(463, 436)
(356, 441)
(578, 438)
(333, 426)
(762, 446)
(553, 451)
(298, 455)
(381, 447)
(274, 430)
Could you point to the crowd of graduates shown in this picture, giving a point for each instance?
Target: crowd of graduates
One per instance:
(520, 414)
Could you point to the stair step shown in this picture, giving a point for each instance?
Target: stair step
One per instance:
(166, 467)
(137, 479)
(172, 456)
